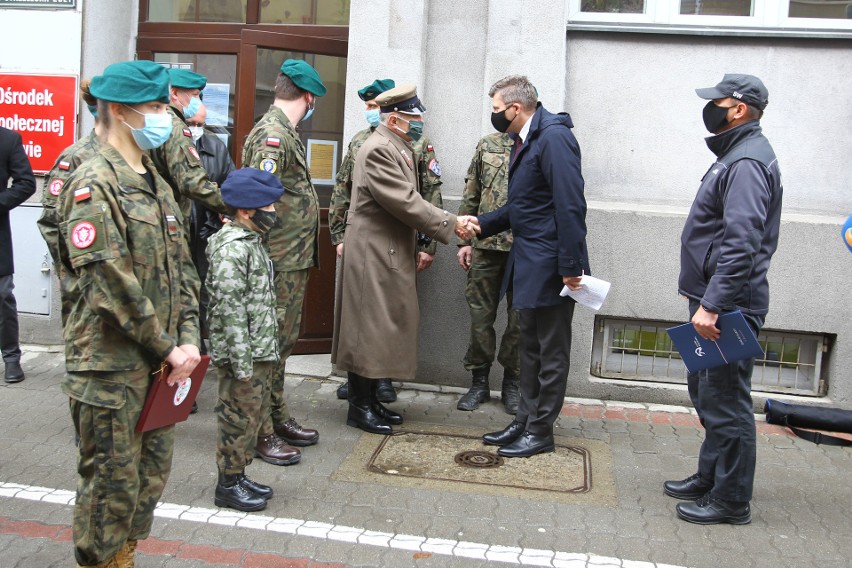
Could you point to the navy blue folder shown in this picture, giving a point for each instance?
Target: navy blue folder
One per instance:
(736, 342)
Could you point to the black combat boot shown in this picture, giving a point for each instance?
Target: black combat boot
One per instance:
(231, 493)
(343, 391)
(479, 391)
(510, 394)
(361, 414)
(258, 489)
(385, 391)
(384, 413)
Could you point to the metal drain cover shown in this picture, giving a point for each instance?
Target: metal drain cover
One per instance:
(478, 459)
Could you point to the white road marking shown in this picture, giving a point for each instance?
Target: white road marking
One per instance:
(354, 535)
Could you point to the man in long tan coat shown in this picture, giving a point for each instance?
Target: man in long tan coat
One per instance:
(376, 324)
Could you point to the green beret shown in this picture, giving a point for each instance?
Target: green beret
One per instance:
(186, 79)
(375, 89)
(132, 83)
(303, 76)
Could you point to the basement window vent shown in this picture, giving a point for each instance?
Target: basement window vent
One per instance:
(640, 350)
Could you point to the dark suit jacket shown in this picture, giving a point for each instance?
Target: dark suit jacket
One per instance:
(546, 211)
(14, 165)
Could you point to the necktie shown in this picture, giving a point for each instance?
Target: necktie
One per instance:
(516, 149)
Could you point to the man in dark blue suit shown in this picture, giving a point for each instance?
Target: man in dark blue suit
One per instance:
(546, 211)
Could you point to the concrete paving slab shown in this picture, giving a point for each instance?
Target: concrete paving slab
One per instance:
(321, 516)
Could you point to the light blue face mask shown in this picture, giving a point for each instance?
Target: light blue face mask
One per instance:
(157, 129)
(372, 116)
(310, 111)
(193, 107)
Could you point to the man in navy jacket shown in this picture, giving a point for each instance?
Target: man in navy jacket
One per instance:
(726, 245)
(546, 211)
(14, 165)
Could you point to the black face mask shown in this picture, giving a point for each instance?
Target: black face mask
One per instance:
(715, 117)
(499, 120)
(265, 220)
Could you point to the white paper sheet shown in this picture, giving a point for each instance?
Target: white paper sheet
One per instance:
(592, 294)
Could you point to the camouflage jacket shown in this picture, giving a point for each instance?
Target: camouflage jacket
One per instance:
(274, 145)
(131, 291)
(66, 164)
(487, 186)
(429, 182)
(243, 326)
(180, 165)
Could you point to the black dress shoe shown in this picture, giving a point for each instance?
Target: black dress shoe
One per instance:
(385, 391)
(386, 414)
(259, 489)
(505, 436)
(688, 489)
(709, 510)
(343, 391)
(14, 373)
(528, 445)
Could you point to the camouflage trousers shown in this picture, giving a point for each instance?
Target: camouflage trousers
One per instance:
(242, 405)
(122, 472)
(482, 292)
(289, 296)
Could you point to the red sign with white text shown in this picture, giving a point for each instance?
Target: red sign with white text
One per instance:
(43, 110)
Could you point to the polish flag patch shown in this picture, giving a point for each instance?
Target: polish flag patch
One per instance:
(65, 165)
(429, 148)
(56, 187)
(273, 142)
(187, 132)
(83, 235)
(82, 194)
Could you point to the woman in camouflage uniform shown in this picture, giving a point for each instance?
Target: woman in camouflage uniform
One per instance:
(132, 298)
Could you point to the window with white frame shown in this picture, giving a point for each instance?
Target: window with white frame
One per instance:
(817, 16)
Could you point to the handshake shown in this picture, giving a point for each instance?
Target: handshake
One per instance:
(467, 226)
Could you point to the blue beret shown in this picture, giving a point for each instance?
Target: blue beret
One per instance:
(375, 89)
(132, 83)
(186, 79)
(249, 188)
(303, 76)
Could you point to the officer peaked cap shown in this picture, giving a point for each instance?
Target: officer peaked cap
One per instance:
(401, 99)
(132, 83)
(248, 188)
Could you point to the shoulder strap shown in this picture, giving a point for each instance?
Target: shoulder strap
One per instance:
(819, 437)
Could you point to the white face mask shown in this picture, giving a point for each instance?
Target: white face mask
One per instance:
(197, 132)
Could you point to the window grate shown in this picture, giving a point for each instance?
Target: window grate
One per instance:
(641, 350)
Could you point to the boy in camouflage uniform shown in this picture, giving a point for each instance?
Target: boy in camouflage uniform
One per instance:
(486, 189)
(429, 186)
(274, 146)
(243, 331)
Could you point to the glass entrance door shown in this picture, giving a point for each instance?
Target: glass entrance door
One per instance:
(261, 56)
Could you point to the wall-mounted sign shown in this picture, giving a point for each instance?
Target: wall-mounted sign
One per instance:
(322, 161)
(43, 110)
(38, 4)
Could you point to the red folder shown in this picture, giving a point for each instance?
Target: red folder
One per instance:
(167, 405)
